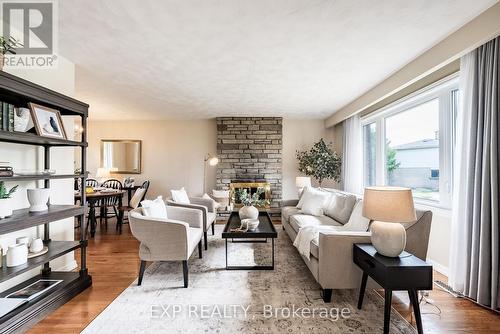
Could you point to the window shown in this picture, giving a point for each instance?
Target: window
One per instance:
(409, 144)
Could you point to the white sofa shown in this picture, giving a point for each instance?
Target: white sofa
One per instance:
(330, 260)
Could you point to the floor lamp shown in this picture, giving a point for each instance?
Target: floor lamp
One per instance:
(212, 161)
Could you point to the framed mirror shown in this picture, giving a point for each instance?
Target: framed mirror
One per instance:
(121, 155)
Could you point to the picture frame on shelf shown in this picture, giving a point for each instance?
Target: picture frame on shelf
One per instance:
(47, 121)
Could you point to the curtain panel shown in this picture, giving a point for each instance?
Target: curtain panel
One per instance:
(352, 156)
(474, 260)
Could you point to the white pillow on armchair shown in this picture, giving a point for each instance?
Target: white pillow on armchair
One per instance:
(155, 208)
(180, 196)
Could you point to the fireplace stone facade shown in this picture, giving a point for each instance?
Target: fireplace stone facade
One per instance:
(250, 149)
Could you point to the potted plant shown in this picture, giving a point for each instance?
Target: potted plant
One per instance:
(320, 162)
(248, 210)
(5, 200)
(8, 45)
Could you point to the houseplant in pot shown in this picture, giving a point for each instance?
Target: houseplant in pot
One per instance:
(248, 210)
(8, 45)
(5, 200)
(320, 162)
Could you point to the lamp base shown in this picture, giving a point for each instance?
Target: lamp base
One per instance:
(389, 239)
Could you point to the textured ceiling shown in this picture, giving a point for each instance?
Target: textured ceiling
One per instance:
(199, 59)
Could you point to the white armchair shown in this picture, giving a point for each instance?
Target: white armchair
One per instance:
(206, 207)
(172, 239)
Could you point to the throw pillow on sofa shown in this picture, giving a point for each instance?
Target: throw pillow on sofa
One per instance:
(313, 202)
(340, 206)
(155, 208)
(180, 196)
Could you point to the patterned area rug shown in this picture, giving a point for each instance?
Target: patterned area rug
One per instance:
(285, 300)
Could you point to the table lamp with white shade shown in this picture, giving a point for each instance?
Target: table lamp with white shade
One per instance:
(388, 207)
(301, 182)
(103, 174)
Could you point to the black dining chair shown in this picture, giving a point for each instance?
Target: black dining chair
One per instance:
(135, 202)
(110, 202)
(88, 183)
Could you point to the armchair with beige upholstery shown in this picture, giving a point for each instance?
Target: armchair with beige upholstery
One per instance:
(206, 207)
(172, 239)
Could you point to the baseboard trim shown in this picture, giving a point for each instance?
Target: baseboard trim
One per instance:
(72, 265)
(438, 267)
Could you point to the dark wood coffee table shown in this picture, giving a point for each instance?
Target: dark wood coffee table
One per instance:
(261, 234)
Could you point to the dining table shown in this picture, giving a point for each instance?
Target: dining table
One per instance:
(93, 200)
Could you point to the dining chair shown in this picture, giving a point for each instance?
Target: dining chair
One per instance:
(135, 202)
(110, 202)
(88, 183)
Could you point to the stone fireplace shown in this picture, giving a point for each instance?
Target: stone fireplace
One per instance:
(250, 152)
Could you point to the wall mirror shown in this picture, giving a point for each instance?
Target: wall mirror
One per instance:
(121, 156)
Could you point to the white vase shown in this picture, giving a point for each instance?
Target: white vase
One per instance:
(249, 212)
(38, 199)
(17, 255)
(5, 208)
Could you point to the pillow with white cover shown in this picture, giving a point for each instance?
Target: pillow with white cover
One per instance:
(180, 196)
(313, 202)
(220, 193)
(155, 208)
(216, 204)
(340, 206)
(357, 222)
(301, 196)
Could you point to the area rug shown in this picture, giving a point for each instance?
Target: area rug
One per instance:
(284, 300)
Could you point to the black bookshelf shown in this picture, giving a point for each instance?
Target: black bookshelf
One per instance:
(20, 92)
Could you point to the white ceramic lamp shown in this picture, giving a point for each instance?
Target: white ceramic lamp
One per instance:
(388, 207)
(301, 182)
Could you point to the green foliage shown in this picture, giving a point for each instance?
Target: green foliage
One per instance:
(9, 45)
(391, 163)
(320, 162)
(244, 197)
(3, 191)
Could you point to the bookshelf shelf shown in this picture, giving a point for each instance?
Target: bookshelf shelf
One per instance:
(20, 92)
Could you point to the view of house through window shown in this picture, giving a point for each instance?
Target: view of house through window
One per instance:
(412, 150)
(410, 143)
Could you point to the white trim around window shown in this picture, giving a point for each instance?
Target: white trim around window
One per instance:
(444, 91)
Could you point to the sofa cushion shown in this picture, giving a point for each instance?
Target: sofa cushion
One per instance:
(298, 221)
(340, 206)
(357, 222)
(314, 202)
(315, 248)
(288, 211)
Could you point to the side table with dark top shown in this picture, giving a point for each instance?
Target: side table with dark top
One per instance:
(406, 272)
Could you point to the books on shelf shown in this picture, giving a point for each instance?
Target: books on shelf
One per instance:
(25, 294)
(7, 117)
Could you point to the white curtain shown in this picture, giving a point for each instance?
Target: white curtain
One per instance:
(458, 248)
(352, 156)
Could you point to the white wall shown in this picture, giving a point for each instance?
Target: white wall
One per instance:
(60, 79)
(300, 134)
(173, 151)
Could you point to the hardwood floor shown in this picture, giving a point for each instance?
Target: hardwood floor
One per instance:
(114, 264)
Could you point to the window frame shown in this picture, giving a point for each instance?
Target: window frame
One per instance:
(442, 90)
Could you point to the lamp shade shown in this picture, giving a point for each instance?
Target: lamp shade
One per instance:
(102, 172)
(302, 181)
(389, 204)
